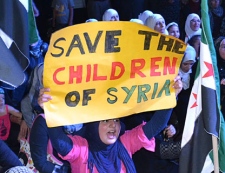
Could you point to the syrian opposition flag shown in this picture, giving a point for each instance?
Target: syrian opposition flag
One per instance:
(14, 45)
(204, 118)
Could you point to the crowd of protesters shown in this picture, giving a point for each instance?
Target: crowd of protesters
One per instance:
(21, 116)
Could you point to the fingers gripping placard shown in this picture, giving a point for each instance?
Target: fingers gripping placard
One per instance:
(104, 70)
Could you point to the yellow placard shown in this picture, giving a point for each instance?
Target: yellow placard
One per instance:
(105, 70)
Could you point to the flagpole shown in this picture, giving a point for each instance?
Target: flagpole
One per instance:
(215, 154)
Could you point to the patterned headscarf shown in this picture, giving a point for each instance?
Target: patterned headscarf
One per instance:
(20, 169)
(217, 11)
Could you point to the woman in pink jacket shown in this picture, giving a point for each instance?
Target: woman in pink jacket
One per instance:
(104, 146)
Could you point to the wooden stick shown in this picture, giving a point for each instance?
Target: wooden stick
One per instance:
(215, 154)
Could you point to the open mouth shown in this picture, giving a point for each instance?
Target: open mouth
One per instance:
(111, 134)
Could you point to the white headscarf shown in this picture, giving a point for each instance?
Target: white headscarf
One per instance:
(189, 32)
(152, 20)
(108, 14)
(137, 21)
(91, 20)
(189, 54)
(143, 16)
(171, 24)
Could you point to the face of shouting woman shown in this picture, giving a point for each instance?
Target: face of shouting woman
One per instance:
(109, 131)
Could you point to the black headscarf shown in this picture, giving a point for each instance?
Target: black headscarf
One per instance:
(217, 11)
(220, 61)
(217, 43)
(106, 158)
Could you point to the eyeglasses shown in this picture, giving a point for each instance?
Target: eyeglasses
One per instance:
(195, 21)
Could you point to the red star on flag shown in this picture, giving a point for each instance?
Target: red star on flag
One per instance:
(210, 70)
(195, 103)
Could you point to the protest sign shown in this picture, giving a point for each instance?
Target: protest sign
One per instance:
(105, 70)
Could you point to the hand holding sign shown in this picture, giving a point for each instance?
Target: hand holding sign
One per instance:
(178, 85)
(118, 70)
(43, 97)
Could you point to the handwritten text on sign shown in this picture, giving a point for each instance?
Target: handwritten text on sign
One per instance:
(104, 70)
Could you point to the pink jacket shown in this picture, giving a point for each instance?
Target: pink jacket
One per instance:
(133, 140)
